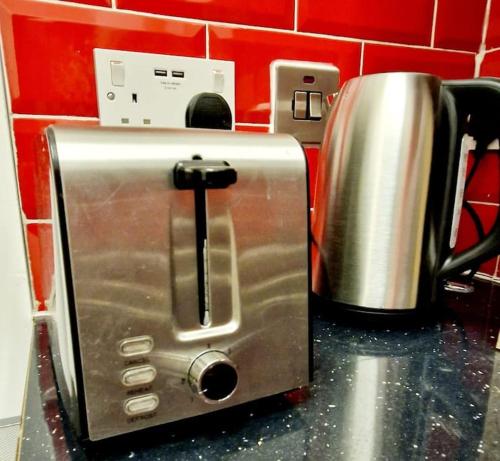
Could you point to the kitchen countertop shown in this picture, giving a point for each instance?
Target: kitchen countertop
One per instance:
(430, 391)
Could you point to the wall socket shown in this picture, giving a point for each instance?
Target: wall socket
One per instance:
(153, 90)
(299, 92)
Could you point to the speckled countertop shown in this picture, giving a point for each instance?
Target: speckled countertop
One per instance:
(424, 392)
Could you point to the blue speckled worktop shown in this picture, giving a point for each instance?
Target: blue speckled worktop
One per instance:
(428, 391)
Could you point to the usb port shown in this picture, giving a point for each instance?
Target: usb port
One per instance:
(160, 73)
(178, 73)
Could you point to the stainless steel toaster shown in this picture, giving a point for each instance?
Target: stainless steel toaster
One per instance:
(182, 275)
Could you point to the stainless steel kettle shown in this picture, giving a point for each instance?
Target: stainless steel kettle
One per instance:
(387, 179)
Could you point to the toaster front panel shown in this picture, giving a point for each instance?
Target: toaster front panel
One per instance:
(148, 354)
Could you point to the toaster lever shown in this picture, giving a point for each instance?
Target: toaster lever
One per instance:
(204, 174)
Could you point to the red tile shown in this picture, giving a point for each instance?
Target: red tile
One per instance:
(385, 20)
(459, 24)
(33, 164)
(48, 50)
(467, 234)
(485, 184)
(493, 34)
(312, 164)
(92, 2)
(254, 50)
(278, 13)
(388, 58)
(490, 67)
(41, 260)
(253, 128)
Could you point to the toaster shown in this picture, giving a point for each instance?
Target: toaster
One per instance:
(182, 274)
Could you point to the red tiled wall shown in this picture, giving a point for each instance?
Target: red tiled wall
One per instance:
(493, 31)
(48, 54)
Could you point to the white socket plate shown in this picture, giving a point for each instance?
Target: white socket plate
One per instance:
(160, 101)
(288, 77)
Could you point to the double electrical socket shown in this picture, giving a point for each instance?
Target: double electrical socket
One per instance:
(153, 90)
(299, 98)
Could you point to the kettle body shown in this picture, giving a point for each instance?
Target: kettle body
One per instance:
(387, 177)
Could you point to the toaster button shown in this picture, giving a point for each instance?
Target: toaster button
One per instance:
(138, 375)
(142, 404)
(136, 346)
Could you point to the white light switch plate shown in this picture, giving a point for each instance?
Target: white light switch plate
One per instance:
(288, 77)
(135, 96)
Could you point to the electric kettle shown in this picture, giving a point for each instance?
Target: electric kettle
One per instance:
(388, 173)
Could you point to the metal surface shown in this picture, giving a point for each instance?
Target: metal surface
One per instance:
(132, 249)
(287, 77)
(371, 192)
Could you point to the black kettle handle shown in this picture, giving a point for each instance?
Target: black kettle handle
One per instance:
(477, 112)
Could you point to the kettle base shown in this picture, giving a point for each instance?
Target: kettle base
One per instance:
(363, 316)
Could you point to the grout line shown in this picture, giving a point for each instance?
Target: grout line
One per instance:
(478, 61)
(362, 58)
(252, 27)
(482, 46)
(434, 20)
(295, 15)
(55, 117)
(497, 267)
(38, 221)
(486, 21)
(40, 315)
(484, 276)
(492, 50)
(207, 42)
(475, 202)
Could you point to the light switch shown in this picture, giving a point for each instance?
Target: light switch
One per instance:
(315, 102)
(218, 81)
(117, 73)
(300, 105)
(315, 80)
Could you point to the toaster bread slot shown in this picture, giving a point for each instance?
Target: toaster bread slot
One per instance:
(200, 175)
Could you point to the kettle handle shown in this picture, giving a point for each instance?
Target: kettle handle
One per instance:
(477, 109)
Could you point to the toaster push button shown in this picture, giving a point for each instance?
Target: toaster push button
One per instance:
(142, 404)
(137, 345)
(138, 375)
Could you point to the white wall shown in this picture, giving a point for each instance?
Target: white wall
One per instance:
(15, 297)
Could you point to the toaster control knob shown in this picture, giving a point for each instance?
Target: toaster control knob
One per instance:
(213, 376)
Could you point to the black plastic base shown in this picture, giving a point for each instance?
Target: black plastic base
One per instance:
(373, 317)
